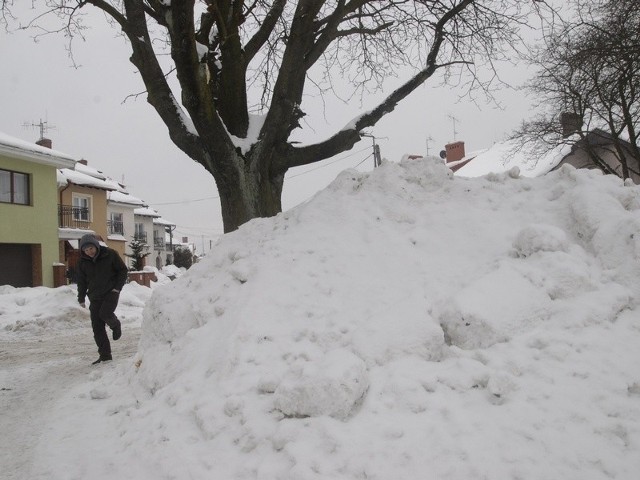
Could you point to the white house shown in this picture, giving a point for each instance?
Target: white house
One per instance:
(163, 241)
(144, 217)
(121, 219)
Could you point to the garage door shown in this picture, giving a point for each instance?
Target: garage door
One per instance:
(16, 265)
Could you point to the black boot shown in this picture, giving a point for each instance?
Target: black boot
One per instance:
(117, 330)
(103, 358)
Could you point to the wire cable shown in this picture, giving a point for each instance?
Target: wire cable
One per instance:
(288, 178)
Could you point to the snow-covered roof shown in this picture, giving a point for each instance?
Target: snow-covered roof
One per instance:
(92, 172)
(503, 156)
(162, 221)
(121, 197)
(87, 170)
(146, 212)
(20, 149)
(67, 175)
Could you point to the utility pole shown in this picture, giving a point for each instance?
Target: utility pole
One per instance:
(377, 160)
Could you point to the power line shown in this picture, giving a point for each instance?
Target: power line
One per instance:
(200, 231)
(363, 160)
(327, 164)
(187, 201)
(206, 230)
(290, 177)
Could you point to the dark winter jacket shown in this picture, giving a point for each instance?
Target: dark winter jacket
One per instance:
(99, 275)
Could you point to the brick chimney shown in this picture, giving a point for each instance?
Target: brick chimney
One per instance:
(45, 142)
(570, 123)
(454, 151)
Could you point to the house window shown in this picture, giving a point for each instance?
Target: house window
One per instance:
(14, 187)
(81, 208)
(116, 224)
(158, 239)
(141, 235)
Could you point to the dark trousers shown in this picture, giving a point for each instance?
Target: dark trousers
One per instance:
(101, 311)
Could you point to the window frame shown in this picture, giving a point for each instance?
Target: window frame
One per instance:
(13, 191)
(89, 207)
(116, 223)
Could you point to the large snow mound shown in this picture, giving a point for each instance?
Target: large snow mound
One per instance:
(401, 324)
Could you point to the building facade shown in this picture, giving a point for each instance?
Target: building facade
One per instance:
(29, 212)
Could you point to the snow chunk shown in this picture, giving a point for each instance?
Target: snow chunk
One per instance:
(492, 309)
(535, 238)
(332, 386)
(98, 394)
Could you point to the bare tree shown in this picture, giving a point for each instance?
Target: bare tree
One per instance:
(226, 52)
(589, 72)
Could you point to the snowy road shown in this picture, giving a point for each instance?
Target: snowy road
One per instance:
(34, 373)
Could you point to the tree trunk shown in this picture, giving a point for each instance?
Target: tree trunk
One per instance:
(253, 190)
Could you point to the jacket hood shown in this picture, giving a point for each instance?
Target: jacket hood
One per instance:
(89, 239)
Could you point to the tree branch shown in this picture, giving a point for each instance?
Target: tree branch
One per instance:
(159, 95)
(259, 39)
(351, 134)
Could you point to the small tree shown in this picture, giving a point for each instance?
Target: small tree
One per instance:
(182, 257)
(138, 254)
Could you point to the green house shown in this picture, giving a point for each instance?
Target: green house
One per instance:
(29, 248)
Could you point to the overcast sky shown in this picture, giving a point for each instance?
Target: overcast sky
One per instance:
(92, 115)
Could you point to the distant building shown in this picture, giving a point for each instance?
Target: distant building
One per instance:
(600, 144)
(596, 150)
(163, 241)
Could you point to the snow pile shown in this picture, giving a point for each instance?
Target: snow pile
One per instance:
(401, 324)
(166, 274)
(133, 295)
(36, 310)
(41, 310)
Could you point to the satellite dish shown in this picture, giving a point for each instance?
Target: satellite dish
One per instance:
(443, 154)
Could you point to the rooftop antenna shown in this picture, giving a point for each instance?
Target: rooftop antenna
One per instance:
(454, 120)
(429, 139)
(43, 126)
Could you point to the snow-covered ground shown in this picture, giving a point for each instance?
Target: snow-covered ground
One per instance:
(46, 348)
(402, 324)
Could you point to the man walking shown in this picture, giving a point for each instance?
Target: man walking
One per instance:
(101, 276)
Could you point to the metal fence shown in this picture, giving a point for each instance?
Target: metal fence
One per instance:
(115, 228)
(73, 217)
